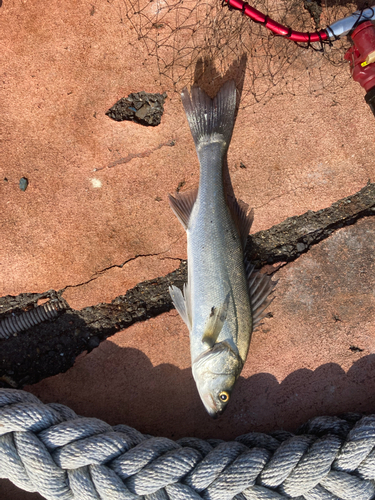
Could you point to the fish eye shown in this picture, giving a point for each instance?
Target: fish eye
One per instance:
(224, 396)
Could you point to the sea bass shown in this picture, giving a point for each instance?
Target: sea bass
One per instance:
(224, 298)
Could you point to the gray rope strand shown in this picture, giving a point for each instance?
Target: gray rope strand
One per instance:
(49, 449)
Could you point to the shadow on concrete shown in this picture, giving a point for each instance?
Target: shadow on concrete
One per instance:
(8, 491)
(120, 385)
(51, 347)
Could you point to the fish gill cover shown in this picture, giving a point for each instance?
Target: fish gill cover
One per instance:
(177, 33)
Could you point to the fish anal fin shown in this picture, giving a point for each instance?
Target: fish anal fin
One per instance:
(215, 322)
(242, 219)
(182, 205)
(181, 304)
(260, 287)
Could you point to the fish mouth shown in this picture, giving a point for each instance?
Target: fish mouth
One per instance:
(214, 414)
(210, 406)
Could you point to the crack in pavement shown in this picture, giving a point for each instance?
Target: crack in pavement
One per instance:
(51, 347)
(98, 274)
(294, 236)
(272, 199)
(143, 154)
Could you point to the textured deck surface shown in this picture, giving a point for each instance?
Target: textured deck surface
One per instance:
(97, 230)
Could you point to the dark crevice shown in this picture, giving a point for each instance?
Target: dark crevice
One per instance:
(289, 239)
(51, 347)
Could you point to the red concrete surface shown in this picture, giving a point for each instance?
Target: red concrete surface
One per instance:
(62, 67)
(300, 363)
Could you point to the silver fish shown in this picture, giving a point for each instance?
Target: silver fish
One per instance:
(224, 299)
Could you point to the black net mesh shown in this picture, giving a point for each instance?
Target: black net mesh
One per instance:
(178, 33)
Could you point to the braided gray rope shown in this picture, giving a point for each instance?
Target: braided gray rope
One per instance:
(49, 449)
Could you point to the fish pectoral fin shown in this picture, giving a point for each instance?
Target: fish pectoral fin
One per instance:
(182, 205)
(215, 322)
(180, 304)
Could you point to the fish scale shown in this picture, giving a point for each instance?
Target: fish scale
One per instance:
(215, 258)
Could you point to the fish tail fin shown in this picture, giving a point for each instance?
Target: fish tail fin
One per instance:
(210, 117)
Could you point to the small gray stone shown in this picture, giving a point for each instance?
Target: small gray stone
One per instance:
(23, 183)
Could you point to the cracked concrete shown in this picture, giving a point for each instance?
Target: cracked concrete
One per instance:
(84, 329)
(62, 230)
(143, 154)
(61, 69)
(295, 235)
(301, 362)
(114, 280)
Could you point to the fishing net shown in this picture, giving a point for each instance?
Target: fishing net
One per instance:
(182, 35)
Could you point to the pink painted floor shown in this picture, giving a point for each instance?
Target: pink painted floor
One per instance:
(62, 67)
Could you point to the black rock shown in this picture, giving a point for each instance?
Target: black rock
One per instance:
(141, 107)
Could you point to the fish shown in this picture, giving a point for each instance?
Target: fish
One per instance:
(224, 298)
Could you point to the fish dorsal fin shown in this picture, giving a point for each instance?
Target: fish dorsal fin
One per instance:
(260, 287)
(181, 303)
(215, 322)
(242, 219)
(182, 205)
